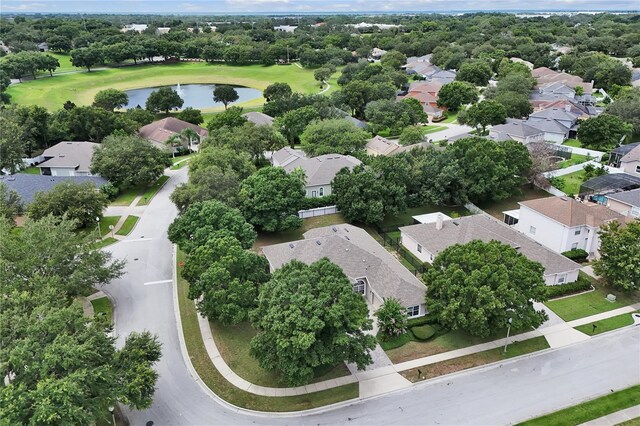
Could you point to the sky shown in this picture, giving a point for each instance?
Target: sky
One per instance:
(303, 6)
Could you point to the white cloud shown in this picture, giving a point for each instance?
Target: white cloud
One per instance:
(23, 7)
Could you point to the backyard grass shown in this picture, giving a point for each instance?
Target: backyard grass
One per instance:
(234, 343)
(221, 387)
(451, 117)
(474, 360)
(573, 143)
(527, 192)
(126, 197)
(102, 306)
(151, 191)
(590, 410)
(80, 88)
(406, 217)
(591, 303)
(572, 182)
(32, 170)
(128, 225)
(269, 238)
(608, 324)
(574, 160)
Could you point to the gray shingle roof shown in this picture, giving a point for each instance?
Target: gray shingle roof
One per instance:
(66, 154)
(631, 198)
(555, 114)
(322, 169)
(485, 228)
(516, 127)
(358, 255)
(259, 118)
(27, 185)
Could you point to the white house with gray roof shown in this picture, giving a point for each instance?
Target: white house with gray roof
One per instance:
(373, 271)
(68, 159)
(626, 203)
(426, 241)
(319, 171)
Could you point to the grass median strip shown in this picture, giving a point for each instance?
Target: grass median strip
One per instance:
(104, 243)
(590, 410)
(605, 325)
(128, 225)
(474, 360)
(151, 191)
(225, 390)
(102, 306)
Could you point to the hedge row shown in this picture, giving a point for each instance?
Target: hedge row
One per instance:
(580, 285)
(578, 255)
(314, 203)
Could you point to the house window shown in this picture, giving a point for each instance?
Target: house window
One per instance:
(637, 169)
(562, 278)
(413, 311)
(532, 230)
(419, 248)
(321, 193)
(576, 232)
(635, 212)
(359, 287)
(313, 194)
(574, 246)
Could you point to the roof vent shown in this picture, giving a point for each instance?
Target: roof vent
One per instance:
(334, 229)
(564, 198)
(456, 223)
(346, 229)
(291, 245)
(318, 242)
(347, 238)
(12, 178)
(61, 155)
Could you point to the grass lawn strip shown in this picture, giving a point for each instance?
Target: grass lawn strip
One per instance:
(128, 225)
(607, 324)
(590, 410)
(126, 197)
(590, 303)
(225, 390)
(31, 170)
(572, 182)
(102, 306)
(574, 160)
(474, 360)
(151, 192)
(105, 222)
(81, 88)
(234, 343)
(575, 143)
(104, 243)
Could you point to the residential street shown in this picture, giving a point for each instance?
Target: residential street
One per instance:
(502, 394)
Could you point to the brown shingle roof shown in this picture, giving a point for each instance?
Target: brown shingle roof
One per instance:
(160, 131)
(571, 213)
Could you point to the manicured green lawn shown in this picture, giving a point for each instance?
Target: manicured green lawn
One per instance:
(65, 63)
(608, 324)
(221, 387)
(106, 222)
(575, 159)
(269, 238)
(495, 208)
(80, 88)
(591, 303)
(432, 129)
(102, 306)
(451, 117)
(126, 197)
(590, 410)
(475, 360)
(151, 192)
(572, 182)
(406, 217)
(104, 243)
(573, 142)
(32, 170)
(128, 225)
(234, 343)
(182, 158)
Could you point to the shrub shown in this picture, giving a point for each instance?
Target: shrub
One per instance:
(423, 332)
(313, 203)
(580, 285)
(392, 318)
(578, 255)
(109, 190)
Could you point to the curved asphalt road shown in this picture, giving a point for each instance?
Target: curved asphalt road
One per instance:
(502, 394)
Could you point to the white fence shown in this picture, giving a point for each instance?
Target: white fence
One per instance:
(320, 211)
(33, 161)
(596, 155)
(578, 167)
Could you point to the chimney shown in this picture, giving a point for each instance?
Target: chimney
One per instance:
(439, 221)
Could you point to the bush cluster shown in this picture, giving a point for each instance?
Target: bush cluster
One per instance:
(578, 255)
(580, 285)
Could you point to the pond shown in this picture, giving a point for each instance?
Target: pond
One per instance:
(194, 95)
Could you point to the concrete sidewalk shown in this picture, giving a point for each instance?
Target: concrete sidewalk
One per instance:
(615, 418)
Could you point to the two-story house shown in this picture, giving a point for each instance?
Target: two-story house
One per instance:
(563, 223)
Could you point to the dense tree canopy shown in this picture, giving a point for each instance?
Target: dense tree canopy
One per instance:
(336, 136)
(619, 261)
(627, 108)
(205, 220)
(110, 99)
(81, 202)
(455, 94)
(603, 132)
(477, 287)
(483, 114)
(270, 199)
(129, 161)
(225, 94)
(477, 73)
(394, 115)
(191, 115)
(308, 316)
(163, 100)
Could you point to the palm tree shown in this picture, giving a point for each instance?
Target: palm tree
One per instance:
(191, 137)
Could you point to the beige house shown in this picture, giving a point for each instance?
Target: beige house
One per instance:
(626, 203)
(381, 146)
(630, 163)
